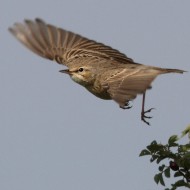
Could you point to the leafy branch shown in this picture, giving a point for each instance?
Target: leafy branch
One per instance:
(177, 156)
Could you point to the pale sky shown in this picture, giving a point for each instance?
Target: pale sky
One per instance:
(54, 134)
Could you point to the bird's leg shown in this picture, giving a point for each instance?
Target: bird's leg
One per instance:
(126, 106)
(143, 116)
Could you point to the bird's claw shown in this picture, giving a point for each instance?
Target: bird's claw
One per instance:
(149, 110)
(144, 117)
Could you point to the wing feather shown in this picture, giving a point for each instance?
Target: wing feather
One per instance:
(63, 46)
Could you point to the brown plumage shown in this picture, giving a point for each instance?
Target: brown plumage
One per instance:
(102, 70)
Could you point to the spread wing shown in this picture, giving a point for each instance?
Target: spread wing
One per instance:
(60, 45)
(126, 84)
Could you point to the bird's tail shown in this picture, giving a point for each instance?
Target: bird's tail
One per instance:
(171, 70)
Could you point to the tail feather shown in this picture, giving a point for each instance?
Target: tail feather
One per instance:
(172, 70)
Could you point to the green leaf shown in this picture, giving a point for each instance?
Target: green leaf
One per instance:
(187, 146)
(153, 142)
(184, 162)
(161, 179)
(155, 148)
(178, 174)
(144, 152)
(187, 185)
(180, 183)
(167, 172)
(161, 168)
(187, 155)
(186, 131)
(184, 148)
(157, 178)
(172, 139)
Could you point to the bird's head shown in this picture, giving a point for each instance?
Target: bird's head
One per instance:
(83, 75)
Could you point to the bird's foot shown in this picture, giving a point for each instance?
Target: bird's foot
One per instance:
(126, 106)
(144, 117)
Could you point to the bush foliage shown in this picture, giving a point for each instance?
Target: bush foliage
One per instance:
(176, 155)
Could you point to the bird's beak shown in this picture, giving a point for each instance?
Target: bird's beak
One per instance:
(66, 71)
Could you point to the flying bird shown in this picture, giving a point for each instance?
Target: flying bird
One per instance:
(102, 70)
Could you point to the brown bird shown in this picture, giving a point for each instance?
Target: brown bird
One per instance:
(105, 72)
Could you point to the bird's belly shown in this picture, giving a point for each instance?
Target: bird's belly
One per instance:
(99, 92)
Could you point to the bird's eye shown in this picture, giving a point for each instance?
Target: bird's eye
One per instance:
(81, 69)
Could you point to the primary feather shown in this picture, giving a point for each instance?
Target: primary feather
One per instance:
(61, 45)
